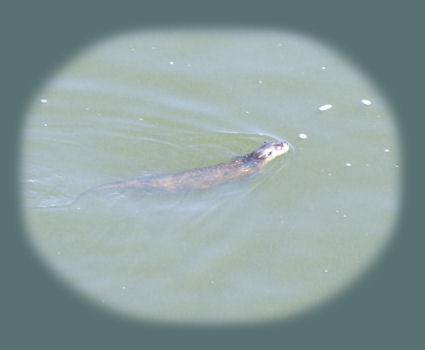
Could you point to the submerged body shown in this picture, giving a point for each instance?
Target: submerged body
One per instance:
(202, 178)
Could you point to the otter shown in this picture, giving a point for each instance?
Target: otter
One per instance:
(202, 178)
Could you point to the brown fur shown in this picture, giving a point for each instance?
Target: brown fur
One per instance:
(201, 178)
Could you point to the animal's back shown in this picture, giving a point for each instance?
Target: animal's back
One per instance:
(201, 178)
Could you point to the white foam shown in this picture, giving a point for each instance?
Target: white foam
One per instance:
(325, 107)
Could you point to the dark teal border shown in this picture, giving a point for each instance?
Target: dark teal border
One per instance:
(385, 38)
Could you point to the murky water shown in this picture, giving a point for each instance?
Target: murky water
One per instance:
(269, 246)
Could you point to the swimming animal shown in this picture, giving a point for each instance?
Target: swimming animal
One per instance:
(202, 178)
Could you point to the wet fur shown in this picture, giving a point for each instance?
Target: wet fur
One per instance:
(201, 178)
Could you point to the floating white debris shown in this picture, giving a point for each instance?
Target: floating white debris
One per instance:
(325, 270)
(396, 165)
(302, 136)
(386, 150)
(124, 287)
(260, 82)
(324, 67)
(325, 107)
(140, 118)
(366, 102)
(44, 124)
(43, 100)
(246, 112)
(348, 164)
(171, 62)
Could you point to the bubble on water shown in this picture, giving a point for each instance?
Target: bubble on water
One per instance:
(43, 100)
(302, 136)
(366, 102)
(325, 107)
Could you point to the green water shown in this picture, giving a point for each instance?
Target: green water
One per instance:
(281, 242)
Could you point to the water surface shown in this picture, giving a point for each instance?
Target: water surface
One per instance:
(270, 246)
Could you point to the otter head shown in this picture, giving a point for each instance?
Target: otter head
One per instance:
(270, 150)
